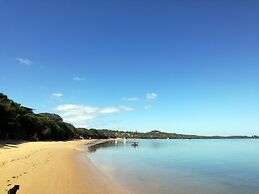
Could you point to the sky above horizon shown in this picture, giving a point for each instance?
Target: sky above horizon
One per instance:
(179, 66)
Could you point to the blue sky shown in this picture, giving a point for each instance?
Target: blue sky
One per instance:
(178, 66)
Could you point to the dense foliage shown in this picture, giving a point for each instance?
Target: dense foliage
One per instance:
(18, 122)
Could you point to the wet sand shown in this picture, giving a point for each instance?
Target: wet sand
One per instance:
(52, 168)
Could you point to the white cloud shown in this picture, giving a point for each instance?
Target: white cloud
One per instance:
(126, 108)
(57, 94)
(151, 96)
(109, 110)
(77, 78)
(130, 99)
(24, 61)
(79, 115)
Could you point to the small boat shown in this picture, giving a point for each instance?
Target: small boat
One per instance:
(134, 143)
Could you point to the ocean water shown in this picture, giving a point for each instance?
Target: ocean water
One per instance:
(182, 166)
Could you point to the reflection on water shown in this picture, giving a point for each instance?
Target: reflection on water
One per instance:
(182, 166)
(111, 144)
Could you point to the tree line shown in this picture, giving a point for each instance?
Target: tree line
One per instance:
(19, 122)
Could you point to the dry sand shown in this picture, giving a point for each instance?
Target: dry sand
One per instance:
(52, 168)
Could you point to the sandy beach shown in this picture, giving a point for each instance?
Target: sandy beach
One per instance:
(52, 168)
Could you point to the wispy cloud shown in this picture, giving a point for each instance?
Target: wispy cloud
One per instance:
(151, 96)
(57, 94)
(24, 61)
(130, 99)
(79, 115)
(126, 108)
(109, 110)
(77, 78)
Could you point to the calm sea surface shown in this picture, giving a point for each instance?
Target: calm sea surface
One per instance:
(182, 166)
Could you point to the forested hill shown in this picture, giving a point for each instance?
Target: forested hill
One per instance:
(18, 122)
(156, 134)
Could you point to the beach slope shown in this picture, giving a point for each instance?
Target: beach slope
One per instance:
(52, 167)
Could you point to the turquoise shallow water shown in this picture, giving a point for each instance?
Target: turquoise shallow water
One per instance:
(182, 166)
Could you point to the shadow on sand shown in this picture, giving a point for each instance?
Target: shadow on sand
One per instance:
(8, 144)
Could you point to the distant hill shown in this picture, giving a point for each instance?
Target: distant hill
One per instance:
(19, 122)
(155, 134)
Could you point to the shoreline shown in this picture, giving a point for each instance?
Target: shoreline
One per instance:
(53, 167)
